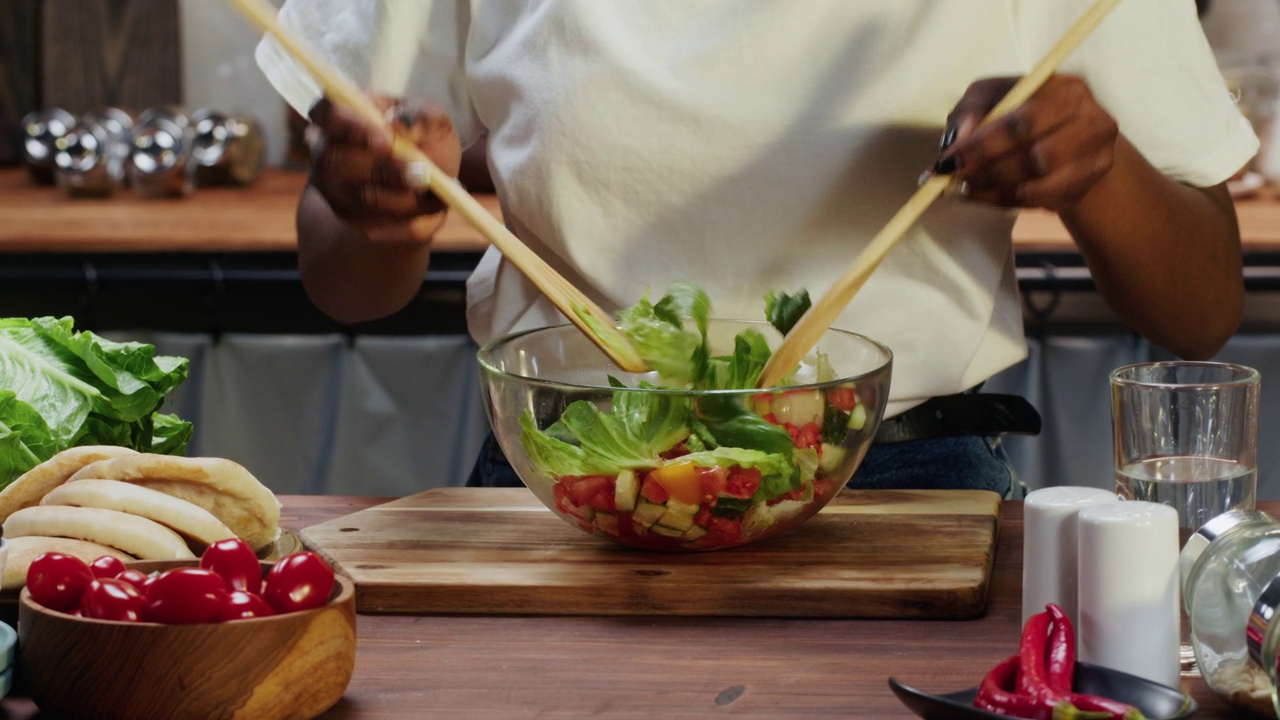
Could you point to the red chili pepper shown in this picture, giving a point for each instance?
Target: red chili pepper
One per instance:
(1032, 656)
(1060, 666)
(996, 694)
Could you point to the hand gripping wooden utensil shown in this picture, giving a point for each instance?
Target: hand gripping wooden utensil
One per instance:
(804, 335)
(589, 317)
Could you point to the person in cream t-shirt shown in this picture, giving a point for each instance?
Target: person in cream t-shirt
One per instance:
(754, 146)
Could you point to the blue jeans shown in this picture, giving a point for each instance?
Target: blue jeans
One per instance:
(956, 463)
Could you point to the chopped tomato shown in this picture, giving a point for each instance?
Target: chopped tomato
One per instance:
(770, 418)
(587, 486)
(712, 481)
(604, 500)
(652, 491)
(807, 436)
(742, 482)
(723, 531)
(680, 481)
(703, 517)
(822, 488)
(842, 398)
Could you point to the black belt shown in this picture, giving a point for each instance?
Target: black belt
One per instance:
(961, 415)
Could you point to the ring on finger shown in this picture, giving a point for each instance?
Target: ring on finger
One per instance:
(400, 114)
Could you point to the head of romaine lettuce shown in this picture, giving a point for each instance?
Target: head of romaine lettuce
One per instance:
(60, 388)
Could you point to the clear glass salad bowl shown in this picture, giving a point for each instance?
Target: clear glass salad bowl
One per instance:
(676, 469)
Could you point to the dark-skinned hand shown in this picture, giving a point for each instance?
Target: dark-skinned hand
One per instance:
(1048, 153)
(353, 168)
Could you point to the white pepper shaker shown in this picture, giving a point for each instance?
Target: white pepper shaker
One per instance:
(1128, 599)
(1049, 546)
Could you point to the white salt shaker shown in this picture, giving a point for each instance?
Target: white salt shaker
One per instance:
(1128, 598)
(1049, 546)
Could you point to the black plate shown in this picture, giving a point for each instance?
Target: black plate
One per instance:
(1156, 701)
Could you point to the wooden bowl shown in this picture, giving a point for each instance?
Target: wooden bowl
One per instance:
(293, 666)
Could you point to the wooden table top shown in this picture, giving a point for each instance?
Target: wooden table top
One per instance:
(261, 219)
(459, 666)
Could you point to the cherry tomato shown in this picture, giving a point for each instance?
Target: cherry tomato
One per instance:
(184, 596)
(57, 581)
(107, 566)
(300, 581)
(111, 599)
(236, 562)
(244, 605)
(136, 578)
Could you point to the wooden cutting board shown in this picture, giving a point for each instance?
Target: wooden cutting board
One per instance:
(883, 553)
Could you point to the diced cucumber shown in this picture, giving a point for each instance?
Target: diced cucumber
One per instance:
(582, 512)
(607, 523)
(694, 533)
(831, 457)
(669, 532)
(625, 491)
(673, 520)
(647, 513)
(683, 508)
(731, 507)
(858, 417)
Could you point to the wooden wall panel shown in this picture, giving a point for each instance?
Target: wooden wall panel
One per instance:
(19, 74)
(126, 53)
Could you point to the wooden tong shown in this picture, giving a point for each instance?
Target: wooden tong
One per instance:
(590, 318)
(805, 334)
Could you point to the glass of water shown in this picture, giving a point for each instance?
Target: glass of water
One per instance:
(1186, 435)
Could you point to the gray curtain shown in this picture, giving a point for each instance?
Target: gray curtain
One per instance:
(394, 415)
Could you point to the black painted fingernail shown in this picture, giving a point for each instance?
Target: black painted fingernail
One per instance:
(947, 165)
(948, 137)
(1017, 127)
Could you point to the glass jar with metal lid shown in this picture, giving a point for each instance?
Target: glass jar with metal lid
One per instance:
(41, 130)
(1231, 589)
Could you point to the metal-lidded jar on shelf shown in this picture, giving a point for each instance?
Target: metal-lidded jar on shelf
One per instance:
(228, 149)
(41, 129)
(1231, 589)
(90, 159)
(160, 161)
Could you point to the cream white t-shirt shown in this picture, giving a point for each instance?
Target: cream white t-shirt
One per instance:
(750, 145)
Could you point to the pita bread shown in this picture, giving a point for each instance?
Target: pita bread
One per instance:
(188, 519)
(23, 550)
(224, 488)
(35, 483)
(144, 539)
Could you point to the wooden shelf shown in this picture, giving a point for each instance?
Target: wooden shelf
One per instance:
(260, 218)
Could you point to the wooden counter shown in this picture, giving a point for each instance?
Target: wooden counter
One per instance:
(261, 219)
(460, 666)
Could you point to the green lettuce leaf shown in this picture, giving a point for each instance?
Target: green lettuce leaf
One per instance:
(60, 388)
(661, 337)
(742, 369)
(784, 310)
(732, 425)
(586, 441)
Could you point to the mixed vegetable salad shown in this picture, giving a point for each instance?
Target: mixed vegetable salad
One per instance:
(669, 470)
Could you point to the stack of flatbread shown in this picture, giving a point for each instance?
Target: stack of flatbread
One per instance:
(95, 500)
